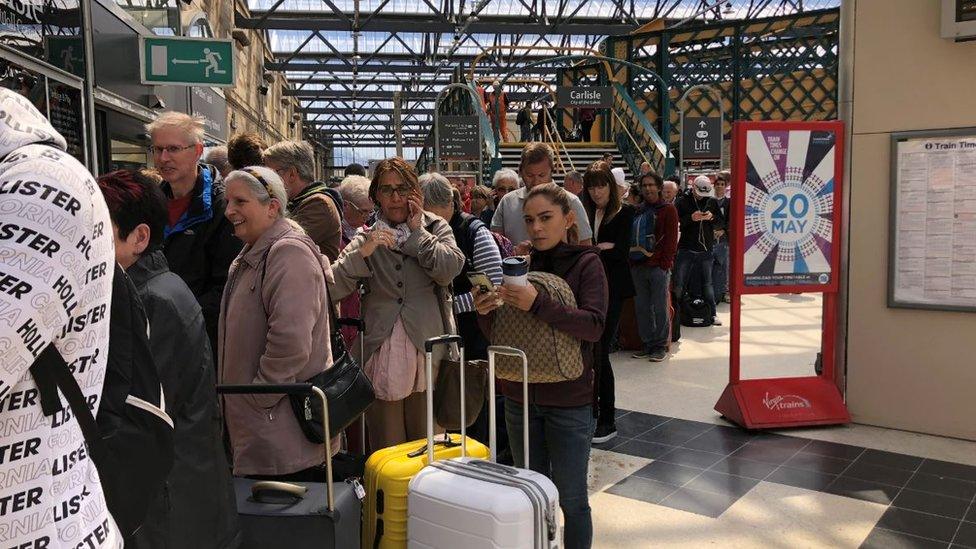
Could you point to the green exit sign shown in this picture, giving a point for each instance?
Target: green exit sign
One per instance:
(186, 61)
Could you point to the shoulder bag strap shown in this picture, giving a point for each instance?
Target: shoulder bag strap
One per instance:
(51, 373)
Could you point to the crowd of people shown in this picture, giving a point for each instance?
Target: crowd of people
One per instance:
(242, 260)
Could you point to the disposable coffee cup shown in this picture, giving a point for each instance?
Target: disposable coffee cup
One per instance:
(515, 271)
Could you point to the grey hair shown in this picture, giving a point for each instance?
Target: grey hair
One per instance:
(575, 176)
(191, 125)
(673, 184)
(293, 154)
(217, 157)
(257, 189)
(506, 173)
(438, 191)
(354, 189)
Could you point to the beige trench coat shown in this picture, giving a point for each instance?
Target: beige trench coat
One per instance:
(409, 283)
(273, 331)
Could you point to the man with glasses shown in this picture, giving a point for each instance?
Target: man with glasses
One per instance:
(654, 246)
(720, 267)
(199, 242)
(311, 203)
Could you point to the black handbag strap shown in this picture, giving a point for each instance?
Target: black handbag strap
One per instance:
(51, 373)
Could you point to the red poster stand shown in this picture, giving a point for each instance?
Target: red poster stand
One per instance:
(797, 401)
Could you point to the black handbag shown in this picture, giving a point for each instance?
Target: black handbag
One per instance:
(348, 391)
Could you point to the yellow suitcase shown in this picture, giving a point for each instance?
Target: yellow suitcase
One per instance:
(388, 472)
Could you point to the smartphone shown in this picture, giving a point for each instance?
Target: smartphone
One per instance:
(480, 281)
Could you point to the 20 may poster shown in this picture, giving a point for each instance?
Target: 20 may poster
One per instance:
(789, 207)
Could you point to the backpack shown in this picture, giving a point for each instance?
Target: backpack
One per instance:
(695, 312)
(642, 237)
(553, 355)
(131, 441)
(468, 232)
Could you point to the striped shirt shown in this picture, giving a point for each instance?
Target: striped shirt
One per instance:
(488, 260)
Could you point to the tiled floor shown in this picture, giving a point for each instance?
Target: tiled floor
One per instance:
(680, 476)
(705, 469)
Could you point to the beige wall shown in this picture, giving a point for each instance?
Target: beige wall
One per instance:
(907, 369)
(248, 110)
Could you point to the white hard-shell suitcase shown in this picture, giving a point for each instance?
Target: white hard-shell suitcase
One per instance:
(479, 504)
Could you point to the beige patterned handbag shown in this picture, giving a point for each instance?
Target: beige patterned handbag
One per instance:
(553, 355)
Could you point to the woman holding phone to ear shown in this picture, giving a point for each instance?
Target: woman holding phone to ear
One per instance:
(561, 419)
(403, 259)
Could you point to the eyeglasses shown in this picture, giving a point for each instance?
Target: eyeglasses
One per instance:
(171, 149)
(402, 191)
(361, 211)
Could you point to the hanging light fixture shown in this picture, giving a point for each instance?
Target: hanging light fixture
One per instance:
(728, 10)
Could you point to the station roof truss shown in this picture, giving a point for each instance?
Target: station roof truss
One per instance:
(348, 61)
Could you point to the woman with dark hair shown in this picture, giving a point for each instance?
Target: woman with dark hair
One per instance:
(406, 259)
(560, 414)
(611, 221)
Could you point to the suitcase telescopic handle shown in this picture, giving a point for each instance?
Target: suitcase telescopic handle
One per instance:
(493, 351)
(429, 345)
(294, 389)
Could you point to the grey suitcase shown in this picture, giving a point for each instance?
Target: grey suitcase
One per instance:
(296, 514)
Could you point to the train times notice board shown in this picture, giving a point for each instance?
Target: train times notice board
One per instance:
(932, 220)
(787, 193)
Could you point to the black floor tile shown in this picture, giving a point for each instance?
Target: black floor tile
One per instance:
(611, 444)
(672, 433)
(737, 432)
(700, 503)
(765, 454)
(932, 503)
(699, 426)
(971, 515)
(642, 449)
(833, 449)
(717, 442)
(636, 423)
(642, 489)
(691, 458)
(744, 468)
(919, 524)
(669, 473)
(801, 478)
(947, 469)
(618, 413)
(820, 464)
(863, 490)
(890, 459)
(781, 442)
(720, 483)
(942, 485)
(877, 473)
(886, 539)
(966, 536)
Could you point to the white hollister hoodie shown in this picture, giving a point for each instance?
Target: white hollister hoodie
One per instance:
(56, 266)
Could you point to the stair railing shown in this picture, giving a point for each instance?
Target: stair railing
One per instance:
(635, 137)
(555, 140)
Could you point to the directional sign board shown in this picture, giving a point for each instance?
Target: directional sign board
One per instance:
(594, 97)
(458, 137)
(186, 61)
(701, 138)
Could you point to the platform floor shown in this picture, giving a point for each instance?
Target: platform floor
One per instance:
(680, 476)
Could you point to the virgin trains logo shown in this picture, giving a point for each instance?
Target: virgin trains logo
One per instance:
(785, 402)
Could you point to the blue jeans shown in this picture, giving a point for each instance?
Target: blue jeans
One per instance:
(682, 270)
(720, 269)
(559, 447)
(651, 306)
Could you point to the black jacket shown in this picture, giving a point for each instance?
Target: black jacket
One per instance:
(197, 507)
(698, 236)
(616, 261)
(724, 205)
(202, 245)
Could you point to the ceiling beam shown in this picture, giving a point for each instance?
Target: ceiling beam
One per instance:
(399, 56)
(386, 94)
(348, 110)
(326, 67)
(399, 22)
